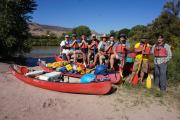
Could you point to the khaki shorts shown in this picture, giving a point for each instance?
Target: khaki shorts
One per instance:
(144, 67)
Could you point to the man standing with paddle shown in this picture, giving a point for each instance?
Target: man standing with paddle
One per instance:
(162, 54)
(142, 50)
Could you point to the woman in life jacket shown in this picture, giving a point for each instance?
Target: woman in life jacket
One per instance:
(64, 48)
(101, 50)
(92, 47)
(162, 54)
(84, 48)
(120, 51)
(74, 47)
(143, 51)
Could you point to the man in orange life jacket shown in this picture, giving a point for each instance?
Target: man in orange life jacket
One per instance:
(93, 44)
(74, 47)
(162, 54)
(143, 50)
(84, 48)
(120, 50)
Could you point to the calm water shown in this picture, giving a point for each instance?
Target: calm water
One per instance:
(45, 53)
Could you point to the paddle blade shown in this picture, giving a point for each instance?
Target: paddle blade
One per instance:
(148, 82)
(135, 80)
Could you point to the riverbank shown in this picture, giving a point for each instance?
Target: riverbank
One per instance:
(20, 101)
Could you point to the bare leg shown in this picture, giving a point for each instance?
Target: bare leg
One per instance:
(113, 56)
(141, 77)
(96, 58)
(68, 56)
(101, 58)
(75, 56)
(89, 56)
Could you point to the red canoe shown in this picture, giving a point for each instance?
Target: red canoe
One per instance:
(115, 78)
(96, 88)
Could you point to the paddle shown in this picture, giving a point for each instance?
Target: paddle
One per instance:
(136, 79)
(149, 80)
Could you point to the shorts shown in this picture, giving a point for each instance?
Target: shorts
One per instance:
(92, 51)
(144, 67)
(84, 50)
(65, 51)
(119, 56)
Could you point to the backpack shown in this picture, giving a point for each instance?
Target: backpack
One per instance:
(87, 78)
(101, 69)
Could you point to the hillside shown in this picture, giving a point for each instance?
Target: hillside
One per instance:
(37, 29)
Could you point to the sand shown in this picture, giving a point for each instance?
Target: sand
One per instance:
(20, 101)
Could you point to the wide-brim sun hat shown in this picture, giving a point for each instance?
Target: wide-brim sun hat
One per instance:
(104, 36)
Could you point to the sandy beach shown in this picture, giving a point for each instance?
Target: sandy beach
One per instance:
(20, 101)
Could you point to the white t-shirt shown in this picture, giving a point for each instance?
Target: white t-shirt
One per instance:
(63, 43)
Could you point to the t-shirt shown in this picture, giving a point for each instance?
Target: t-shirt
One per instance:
(64, 43)
(102, 46)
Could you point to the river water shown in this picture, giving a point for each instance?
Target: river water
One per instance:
(45, 53)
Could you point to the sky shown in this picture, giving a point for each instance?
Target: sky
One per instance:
(99, 15)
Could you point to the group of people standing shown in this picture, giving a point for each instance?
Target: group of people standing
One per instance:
(114, 52)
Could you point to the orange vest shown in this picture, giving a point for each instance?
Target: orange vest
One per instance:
(84, 45)
(75, 45)
(160, 51)
(120, 48)
(147, 50)
(94, 46)
(110, 50)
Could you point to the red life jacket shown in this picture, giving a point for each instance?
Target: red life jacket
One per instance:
(160, 51)
(120, 48)
(94, 46)
(110, 50)
(84, 45)
(75, 45)
(147, 50)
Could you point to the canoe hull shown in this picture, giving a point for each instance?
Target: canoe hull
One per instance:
(95, 88)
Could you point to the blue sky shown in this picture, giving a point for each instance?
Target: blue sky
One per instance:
(99, 15)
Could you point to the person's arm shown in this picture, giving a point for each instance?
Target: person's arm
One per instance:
(152, 50)
(169, 53)
(71, 45)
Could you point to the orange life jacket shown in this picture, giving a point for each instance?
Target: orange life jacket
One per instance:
(75, 45)
(84, 45)
(120, 48)
(160, 51)
(94, 46)
(110, 50)
(147, 50)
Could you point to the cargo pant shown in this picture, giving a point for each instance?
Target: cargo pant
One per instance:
(160, 73)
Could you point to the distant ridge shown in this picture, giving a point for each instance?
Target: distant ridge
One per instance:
(37, 29)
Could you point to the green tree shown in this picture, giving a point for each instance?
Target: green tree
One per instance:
(14, 31)
(124, 31)
(137, 31)
(82, 30)
(172, 7)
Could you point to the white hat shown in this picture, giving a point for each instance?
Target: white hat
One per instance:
(104, 36)
(66, 36)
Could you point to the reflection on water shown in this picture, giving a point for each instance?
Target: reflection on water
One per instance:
(45, 53)
(38, 51)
